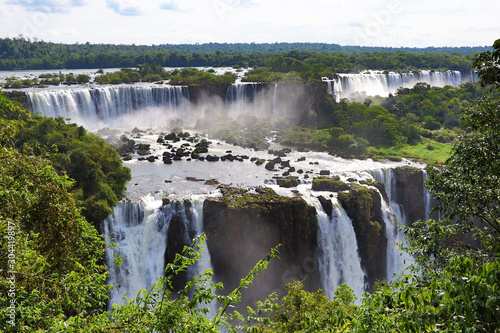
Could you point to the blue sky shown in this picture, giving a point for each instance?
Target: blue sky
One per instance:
(346, 22)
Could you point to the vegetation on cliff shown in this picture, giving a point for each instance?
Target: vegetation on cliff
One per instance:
(329, 184)
(96, 167)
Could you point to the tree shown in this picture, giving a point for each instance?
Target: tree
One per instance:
(459, 255)
(50, 256)
(488, 66)
(467, 186)
(302, 311)
(96, 167)
(82, 78)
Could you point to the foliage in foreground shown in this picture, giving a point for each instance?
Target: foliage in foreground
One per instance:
(50, 256)
(160, 310)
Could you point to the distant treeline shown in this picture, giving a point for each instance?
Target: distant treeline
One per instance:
(20, 53)
(318, 47)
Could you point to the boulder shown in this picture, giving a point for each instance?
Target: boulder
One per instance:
(326, 204)
(212, 158)
(287, 181)
(329, 184)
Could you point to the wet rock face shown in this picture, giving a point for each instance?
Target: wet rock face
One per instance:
(363, 205)
(197, 92)
(177, 238)
(409, 192)
(327, 205)
(241, 228)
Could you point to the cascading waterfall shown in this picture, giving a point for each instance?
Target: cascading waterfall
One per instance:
(197, 214)
(382, 84)
(397, 259)
(105, 104)
(205, 263)
(339, 261)
(274, 98)
(474, 77)
(392, 213)
(250, 97)
(239, 94)
(140, 230)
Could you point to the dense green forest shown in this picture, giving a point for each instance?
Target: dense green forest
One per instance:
(84, 157)
(52, 278)
(319, 47)
(19, 53)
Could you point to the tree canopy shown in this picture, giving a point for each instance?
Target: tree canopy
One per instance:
(20, 53)
(95, 166)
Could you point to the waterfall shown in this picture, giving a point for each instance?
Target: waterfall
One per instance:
(140, 231)
(106, 104)
(238, 93)
(274, 98)
(474, 77)
(396, 258)
(393, 215)
(197, 213)
(250, 97)
(339, 261)
(374, 83)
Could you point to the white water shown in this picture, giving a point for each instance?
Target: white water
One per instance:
(373, 83)
(250, 98)
(338, 253)
(427, 199)
(339, 261)
(140, 230)
(102, 106)
(397, 259)
(394, 218)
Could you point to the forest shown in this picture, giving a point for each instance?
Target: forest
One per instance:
(19, 53)
(52, 276)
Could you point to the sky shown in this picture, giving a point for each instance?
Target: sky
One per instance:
(395, 23)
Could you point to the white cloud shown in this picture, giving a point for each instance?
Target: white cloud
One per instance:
(124, 7)
(48, 6)
(169, 5)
